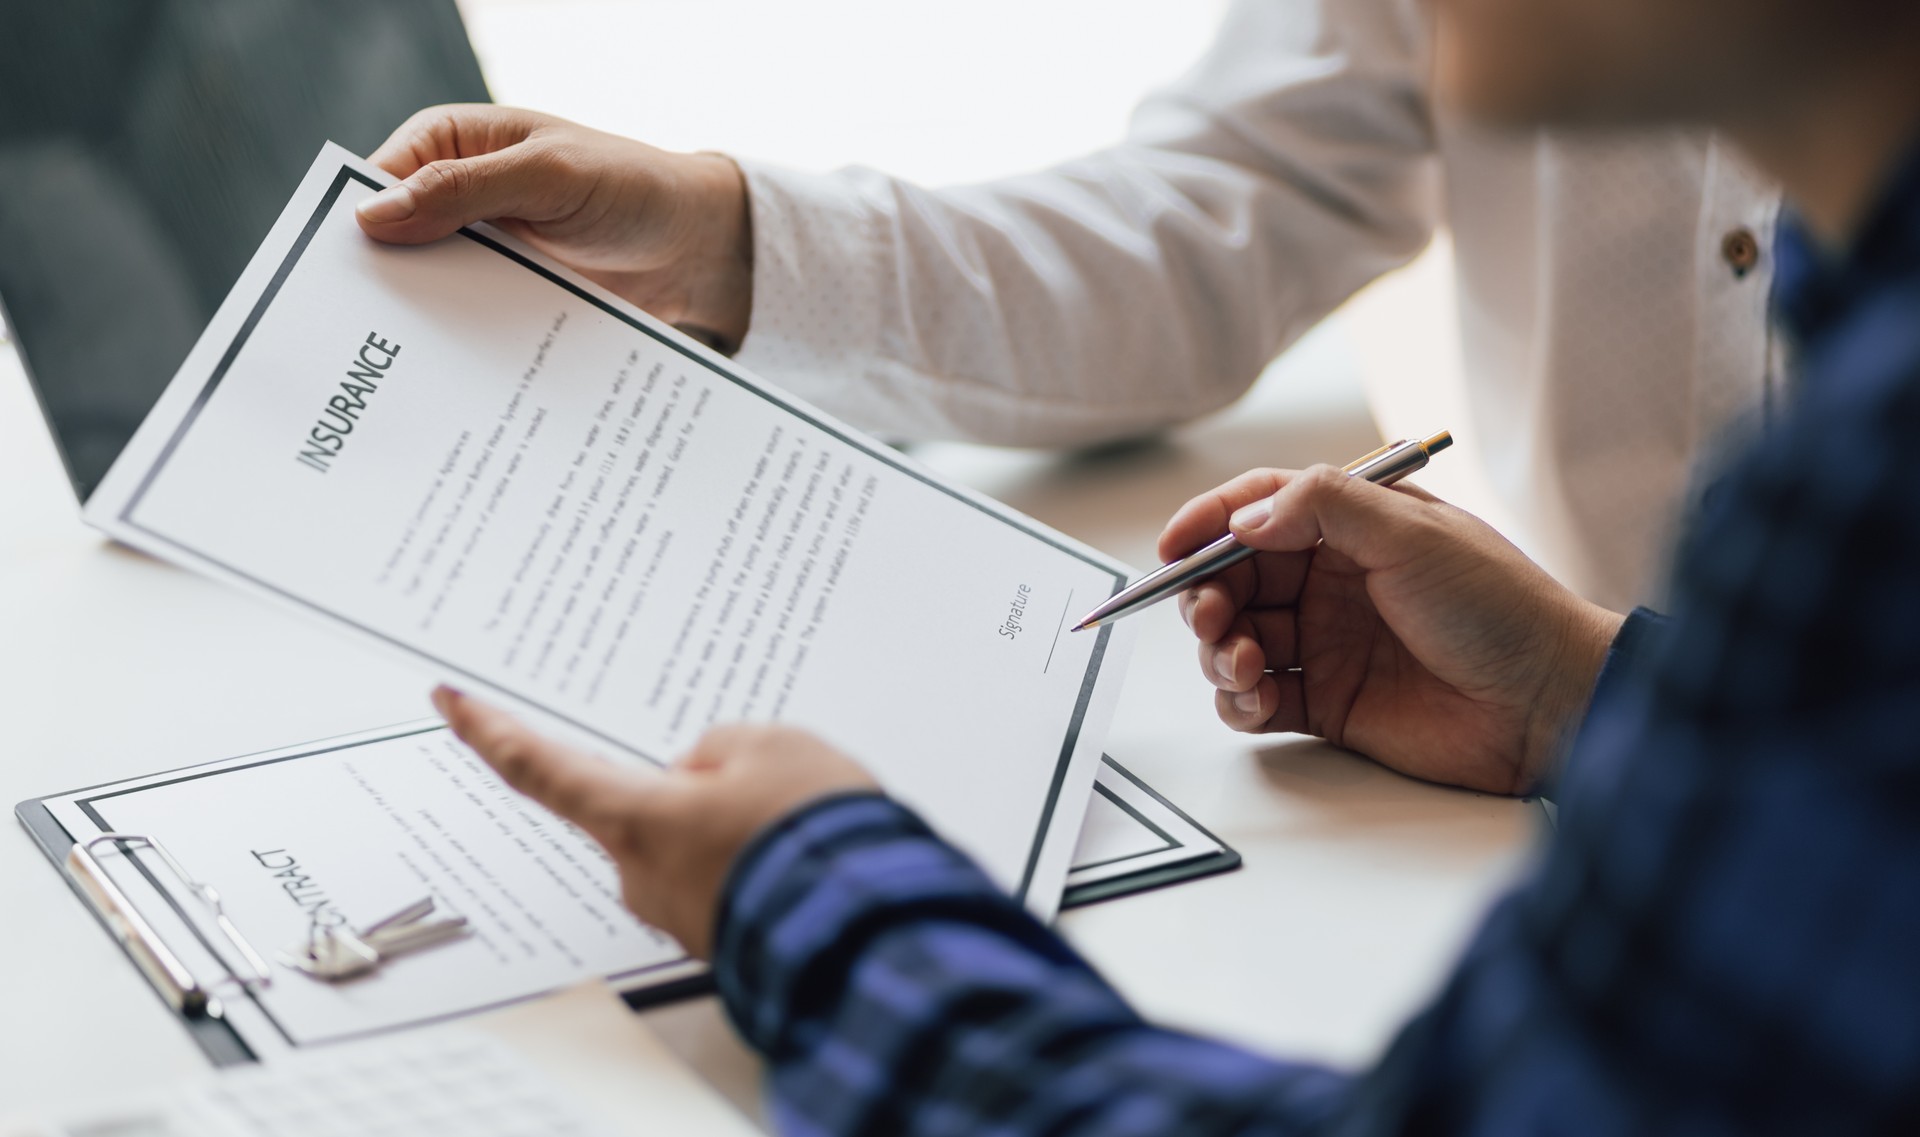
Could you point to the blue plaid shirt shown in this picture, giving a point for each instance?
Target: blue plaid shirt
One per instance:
(1723, 937)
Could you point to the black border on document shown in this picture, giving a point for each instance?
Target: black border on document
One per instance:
(347, 174)
(1167, 841)
(1226, 859)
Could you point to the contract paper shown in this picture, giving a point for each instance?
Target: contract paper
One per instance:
(346, 832)
(473, 457)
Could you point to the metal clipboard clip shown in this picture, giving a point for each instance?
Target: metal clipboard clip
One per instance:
(184, 993)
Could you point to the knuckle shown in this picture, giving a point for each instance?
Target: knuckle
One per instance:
(448, 177)
(714, 746)
(558, 159)
(1322, 478)
(425, 127)
(571, 797)
(1254, 483)
(429, 119)
(515, 759)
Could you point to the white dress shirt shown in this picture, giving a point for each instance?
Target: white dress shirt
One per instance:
(1612, 291)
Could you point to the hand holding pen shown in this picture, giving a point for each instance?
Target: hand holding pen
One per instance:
(1387, 622)
(1384, 467)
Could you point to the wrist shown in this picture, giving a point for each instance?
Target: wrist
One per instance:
(716, 267)
(1586, 634)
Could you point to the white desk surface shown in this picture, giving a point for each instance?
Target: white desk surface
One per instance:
(1359, 885)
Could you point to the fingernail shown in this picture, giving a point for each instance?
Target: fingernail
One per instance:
(444, 698)
(1223, 663)
(1253, 516)
(1247, 702)
(395, 203)
(1185, 604)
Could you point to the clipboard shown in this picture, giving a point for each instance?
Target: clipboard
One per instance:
(199, 1000)
(219, 992)
(1187, 850)
(208, 1027)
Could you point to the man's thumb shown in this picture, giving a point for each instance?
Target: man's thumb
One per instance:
(441, 197)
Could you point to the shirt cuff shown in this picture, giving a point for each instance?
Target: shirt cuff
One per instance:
(805, 896)
(819, 247)
(1630, 648)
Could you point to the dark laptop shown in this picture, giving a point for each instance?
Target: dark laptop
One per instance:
(145, 148)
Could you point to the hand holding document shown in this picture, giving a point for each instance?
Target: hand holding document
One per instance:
(470, 456)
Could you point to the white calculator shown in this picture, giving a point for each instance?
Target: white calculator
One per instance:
(449, 1083)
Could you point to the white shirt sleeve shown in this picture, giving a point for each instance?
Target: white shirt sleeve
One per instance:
(1137, 287)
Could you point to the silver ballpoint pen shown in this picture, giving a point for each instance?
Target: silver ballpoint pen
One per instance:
(1384, 467)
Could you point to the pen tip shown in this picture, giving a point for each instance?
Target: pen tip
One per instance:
(1437, 443)
(1083, 625)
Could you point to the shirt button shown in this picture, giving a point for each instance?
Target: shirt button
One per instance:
(1741, 250)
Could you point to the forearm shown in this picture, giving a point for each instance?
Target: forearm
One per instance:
(894, 990)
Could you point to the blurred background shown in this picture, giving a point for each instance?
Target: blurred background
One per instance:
(945, 93)
(938, 93)
(931, 91)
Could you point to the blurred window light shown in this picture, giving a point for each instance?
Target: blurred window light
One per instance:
(938, 93)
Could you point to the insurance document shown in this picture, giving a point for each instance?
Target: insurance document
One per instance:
(474, 457)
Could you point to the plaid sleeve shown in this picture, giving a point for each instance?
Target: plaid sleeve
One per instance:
(1721, 938)
(1724, 935)
(894, 990)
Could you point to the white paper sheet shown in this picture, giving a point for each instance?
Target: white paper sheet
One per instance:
(480, 460)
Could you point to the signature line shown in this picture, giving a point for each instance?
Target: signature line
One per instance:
(1064, 609)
